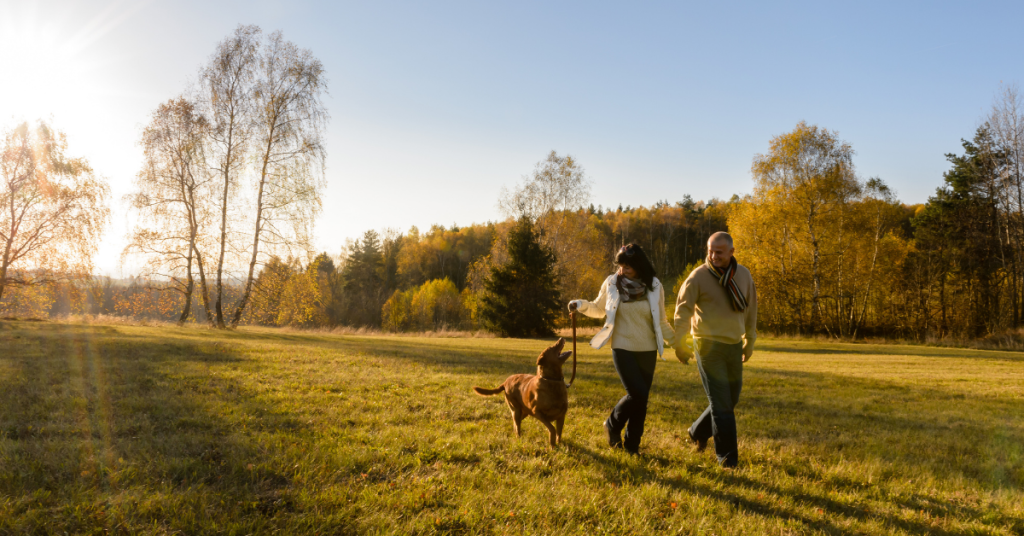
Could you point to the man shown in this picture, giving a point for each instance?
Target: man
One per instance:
(718, 306)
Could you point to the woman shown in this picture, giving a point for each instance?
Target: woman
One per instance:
(633, 302)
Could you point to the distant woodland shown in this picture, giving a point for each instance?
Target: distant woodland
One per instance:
(234, 172)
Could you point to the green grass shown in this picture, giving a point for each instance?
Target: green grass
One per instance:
(123, 430)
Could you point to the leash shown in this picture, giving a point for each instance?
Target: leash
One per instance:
(572, 315)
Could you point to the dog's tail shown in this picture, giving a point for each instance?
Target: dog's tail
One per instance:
(488, 392)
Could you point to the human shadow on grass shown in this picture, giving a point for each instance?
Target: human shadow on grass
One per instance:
(620, 470)
(910, 444)
(775, 346)
(916, 502)
(700, 480)
(107, 415)
(821, 426)
(910, 428)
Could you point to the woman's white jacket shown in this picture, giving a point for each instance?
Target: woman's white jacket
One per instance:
(607, 303)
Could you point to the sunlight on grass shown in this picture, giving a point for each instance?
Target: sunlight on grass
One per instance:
(159, 430)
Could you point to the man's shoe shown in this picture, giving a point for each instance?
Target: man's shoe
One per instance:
(614, 439)
(699, 446)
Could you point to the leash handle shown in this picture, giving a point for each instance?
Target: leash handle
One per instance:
(572, 316)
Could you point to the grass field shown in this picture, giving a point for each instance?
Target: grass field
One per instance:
(156, 430)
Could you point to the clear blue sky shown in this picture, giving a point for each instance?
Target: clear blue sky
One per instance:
(436, 105)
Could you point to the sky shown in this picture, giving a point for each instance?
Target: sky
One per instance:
(435, 106)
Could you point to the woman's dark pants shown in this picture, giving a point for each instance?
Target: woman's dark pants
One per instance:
(721, 372)
(636, 370)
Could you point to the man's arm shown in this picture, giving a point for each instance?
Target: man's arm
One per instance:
(686, 301)
(667, 331)
(750, 323)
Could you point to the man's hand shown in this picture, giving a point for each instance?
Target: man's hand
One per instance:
(748, 351)
(683, 354)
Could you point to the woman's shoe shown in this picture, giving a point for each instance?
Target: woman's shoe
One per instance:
(614, 438)
(699, 446)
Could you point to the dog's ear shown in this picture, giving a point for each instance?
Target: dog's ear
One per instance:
(564, 355)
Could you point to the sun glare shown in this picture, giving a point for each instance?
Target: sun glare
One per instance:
(41, 72)
(50, 66)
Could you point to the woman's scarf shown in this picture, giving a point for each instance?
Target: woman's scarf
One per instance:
(629, 289)
(725, 278)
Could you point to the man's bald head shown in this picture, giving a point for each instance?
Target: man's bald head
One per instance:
(721, 237)
(720, 249)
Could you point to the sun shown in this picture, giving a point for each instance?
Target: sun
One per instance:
(46, 68)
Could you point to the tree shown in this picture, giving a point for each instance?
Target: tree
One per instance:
(226, 87)
(962, 223)
(439, 253)
(1006, 124)
(554, 197)
(288, 124)
(363, 281)
(169, 198)
(268, 291)
(434, 305)
(557, 184)
(305, 300)
(52, 207)
(521, 297)
(809, 174)
(881, 214)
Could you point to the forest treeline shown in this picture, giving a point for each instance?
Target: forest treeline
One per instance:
(411, 281)
(832, 253)
(233, 174)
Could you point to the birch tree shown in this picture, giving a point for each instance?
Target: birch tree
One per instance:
(1006, 125)
(226, 87)
(52, 207)
(811, 172)
(288, 121)
(170, 200)
(553, 197)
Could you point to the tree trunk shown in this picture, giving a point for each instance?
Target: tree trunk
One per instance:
(815, 274)
(204, 292)
(871, 276)
(5, 262)
(219, 305)
(189, 214)
(188, 292)
(944, 326)
(3, 271)
(1018, 179)
(246, 292)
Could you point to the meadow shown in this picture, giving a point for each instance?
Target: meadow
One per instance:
(119, 429)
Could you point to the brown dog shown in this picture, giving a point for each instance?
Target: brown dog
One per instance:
(543, 396)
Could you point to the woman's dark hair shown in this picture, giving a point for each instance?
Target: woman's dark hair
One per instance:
(633, 256)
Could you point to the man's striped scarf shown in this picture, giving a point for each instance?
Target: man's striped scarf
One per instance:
(725, 278)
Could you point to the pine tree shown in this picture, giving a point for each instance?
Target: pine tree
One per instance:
(363, 282)
(521, 298)
(960, 230)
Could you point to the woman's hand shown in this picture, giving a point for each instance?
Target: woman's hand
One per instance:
(575, 305)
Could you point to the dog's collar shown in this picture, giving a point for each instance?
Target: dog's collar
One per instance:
(562, 379)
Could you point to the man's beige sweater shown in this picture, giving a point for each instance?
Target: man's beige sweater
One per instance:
(704, 305)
